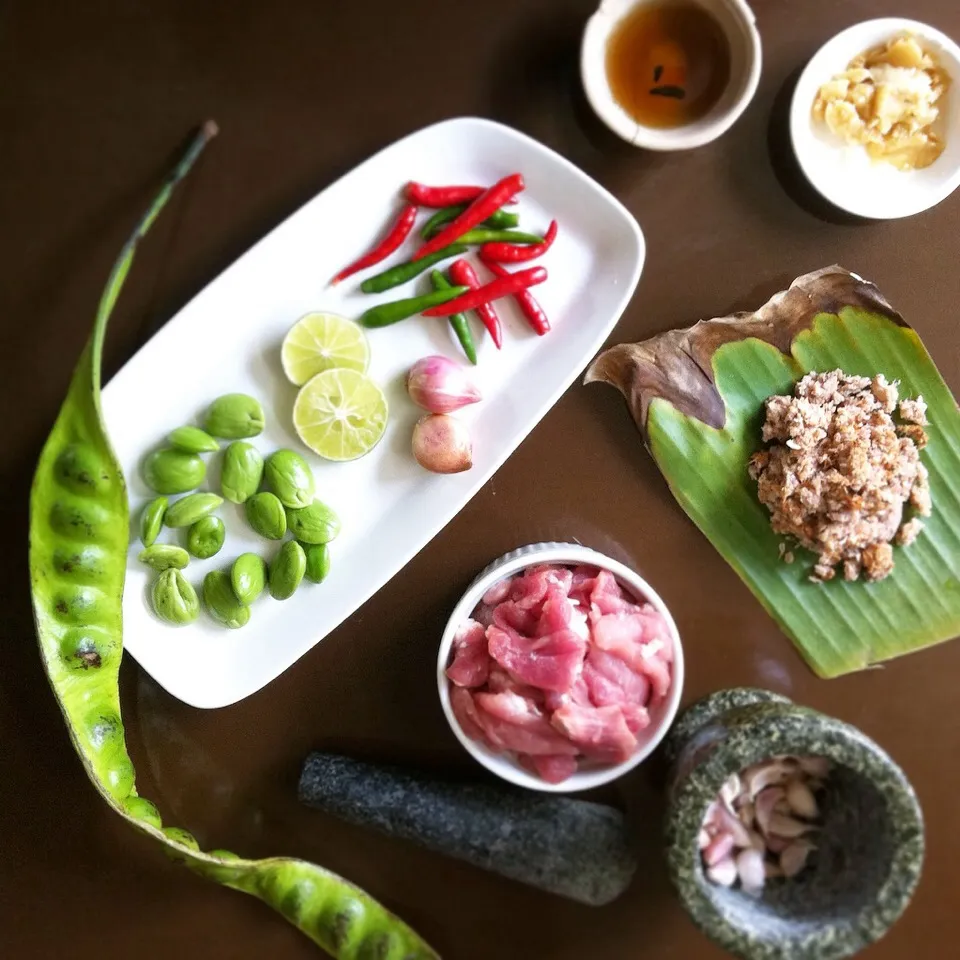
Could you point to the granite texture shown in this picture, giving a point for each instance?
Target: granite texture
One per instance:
(573, 848)
(870, 849)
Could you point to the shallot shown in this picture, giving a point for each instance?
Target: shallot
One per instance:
(757, 827)
(439, 385)
(441, 444)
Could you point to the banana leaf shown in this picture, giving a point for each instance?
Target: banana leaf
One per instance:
(697, 396)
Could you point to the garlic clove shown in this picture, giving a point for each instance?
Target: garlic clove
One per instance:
(765, 806)
(730, 790)
(794, 857)
(719, 849)
(730, 823)
(750, 869)
(777, 844)
(801, 800)
(772, 870)
(786, 826)
(761, 776)
(724, 873)
(815, 766)
(757, 841)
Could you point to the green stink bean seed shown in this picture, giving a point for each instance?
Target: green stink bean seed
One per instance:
(248, 577)
(234, 416)
(174, 599)
(265, 514)
(151, 520)
(241, 473)
(173, 471)
(318, 561)
(314, 524)
(192, 440)
(188, 510)
(81, 469)
(221, 602)
(289, 476)
(205, 537)
(164, 556)
(286, 570)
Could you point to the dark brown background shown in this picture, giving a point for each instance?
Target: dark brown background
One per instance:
(95, 97)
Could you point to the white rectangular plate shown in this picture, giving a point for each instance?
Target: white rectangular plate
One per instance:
(227, 339)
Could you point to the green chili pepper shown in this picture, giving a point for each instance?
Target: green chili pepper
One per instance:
(498, 236)
(73, 510)
(386, 313)
(458, 321)
(407, 271)
(501, 220)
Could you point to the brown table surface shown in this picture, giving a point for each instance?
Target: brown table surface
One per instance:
(94, 99)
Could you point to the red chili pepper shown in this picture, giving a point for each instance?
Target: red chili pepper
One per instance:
(515, 252)
(487, 203)
(463, 275)
(528, 304)
(441, 196)
(398, 233)
(501, 287)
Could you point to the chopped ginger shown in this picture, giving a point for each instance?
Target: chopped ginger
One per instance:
(886, 101)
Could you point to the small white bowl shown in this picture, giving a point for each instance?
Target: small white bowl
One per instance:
(845, 175)
(737, 21)
(661, 716)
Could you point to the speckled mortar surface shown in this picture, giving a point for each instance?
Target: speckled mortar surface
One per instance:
(870, 849)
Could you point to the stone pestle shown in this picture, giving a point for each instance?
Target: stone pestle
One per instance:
(573, 848)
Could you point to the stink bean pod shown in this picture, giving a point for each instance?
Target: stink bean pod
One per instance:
(79, 509)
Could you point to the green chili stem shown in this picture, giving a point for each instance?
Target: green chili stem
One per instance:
(459, 322)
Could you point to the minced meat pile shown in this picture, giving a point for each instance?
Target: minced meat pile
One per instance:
(839, 471)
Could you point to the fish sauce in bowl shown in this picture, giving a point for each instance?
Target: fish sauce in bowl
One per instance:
(668, 63)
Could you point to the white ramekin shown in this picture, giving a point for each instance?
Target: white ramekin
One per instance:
(564, 553)
(739, 26)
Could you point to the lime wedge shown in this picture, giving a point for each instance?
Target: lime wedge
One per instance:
(340, 414)
(323, 341)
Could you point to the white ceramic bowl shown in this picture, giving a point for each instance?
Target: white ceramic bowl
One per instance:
(845, 175)
(661, 716)
(737, 21)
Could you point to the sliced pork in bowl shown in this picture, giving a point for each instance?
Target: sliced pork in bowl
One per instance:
(560, 669)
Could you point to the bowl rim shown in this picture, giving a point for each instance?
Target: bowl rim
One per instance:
(596, 86)
(799, 118)
(508, 565)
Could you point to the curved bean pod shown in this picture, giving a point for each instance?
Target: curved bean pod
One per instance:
(79, 522)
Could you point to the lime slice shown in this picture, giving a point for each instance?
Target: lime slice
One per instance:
(323, 341)
(340, 414)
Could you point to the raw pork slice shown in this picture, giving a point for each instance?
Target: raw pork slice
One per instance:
(606, 596)
(611, 681)
(465, 710)
(515, 723)
(551, 663)
(471, 662)
(497, 593)
(600, 732)
(553, 768)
